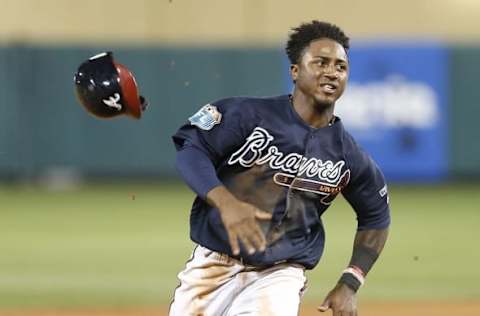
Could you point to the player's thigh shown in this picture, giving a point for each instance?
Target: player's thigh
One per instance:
(207, 285)
(276, 292)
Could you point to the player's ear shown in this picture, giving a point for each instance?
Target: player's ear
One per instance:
(294, 72)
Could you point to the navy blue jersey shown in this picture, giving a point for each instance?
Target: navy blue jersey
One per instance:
(266, 155)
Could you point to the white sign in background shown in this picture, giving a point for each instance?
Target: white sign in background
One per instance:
(392, 103)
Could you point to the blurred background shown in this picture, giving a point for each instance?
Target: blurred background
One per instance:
(93, 216)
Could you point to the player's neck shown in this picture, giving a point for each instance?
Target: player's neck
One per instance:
(315, 115)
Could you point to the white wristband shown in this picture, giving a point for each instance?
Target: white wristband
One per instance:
(356, 274)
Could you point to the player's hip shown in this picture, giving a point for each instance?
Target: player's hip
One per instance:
(213, 283)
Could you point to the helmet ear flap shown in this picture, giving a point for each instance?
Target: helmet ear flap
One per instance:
(107, 89)
(129, 88)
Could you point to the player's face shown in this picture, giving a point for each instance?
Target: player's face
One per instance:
(322, 72)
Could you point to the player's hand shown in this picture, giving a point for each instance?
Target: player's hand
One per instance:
(240, 221)
(341, 300)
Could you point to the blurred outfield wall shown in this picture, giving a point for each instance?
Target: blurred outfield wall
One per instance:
(231, 22)
(187, 53)
(43, 128)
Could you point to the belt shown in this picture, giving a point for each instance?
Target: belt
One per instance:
(248, 267)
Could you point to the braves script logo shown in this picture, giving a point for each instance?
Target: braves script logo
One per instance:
(256, 151)
(113, 102)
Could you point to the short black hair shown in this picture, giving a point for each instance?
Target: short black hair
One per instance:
(303, 35)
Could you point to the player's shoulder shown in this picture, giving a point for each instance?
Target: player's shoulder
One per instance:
(354, 152)
(348, 140)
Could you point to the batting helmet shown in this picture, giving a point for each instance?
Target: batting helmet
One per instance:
(108, 89)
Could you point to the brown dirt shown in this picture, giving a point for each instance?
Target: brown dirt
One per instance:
(409, 309)
(366, 309)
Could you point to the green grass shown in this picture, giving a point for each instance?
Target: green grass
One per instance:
(432, 252)
(97, 246)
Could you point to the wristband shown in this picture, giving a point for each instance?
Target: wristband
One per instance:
(353, 278)
(356, 272)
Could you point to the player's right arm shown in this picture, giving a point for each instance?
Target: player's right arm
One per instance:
(199, 149)
(239, 218)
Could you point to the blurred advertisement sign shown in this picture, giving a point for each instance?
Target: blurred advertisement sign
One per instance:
(395, 102)
(395, 106)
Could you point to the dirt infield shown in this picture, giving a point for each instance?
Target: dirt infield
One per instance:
(410, 309)
(366, 309)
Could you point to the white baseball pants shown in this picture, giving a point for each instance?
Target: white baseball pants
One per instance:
(214, 284)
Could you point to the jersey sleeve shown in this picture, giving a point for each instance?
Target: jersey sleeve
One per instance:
(197, 170)
(367, 193)
(216, 129)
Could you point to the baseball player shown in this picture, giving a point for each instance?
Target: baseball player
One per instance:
(264, 171)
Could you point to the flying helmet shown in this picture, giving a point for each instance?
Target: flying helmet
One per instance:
(107, 89)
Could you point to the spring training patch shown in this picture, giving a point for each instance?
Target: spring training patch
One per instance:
(207, 117)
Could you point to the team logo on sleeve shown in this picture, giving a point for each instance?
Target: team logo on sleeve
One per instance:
(383, 192)
(207, 117)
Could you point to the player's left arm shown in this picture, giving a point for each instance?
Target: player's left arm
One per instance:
(367, 247)
(367, 194)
